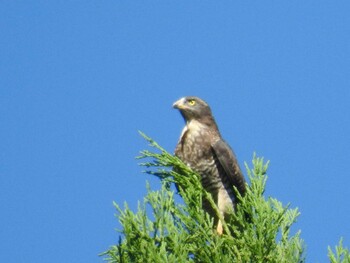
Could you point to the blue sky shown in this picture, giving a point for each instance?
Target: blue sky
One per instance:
(80, 78)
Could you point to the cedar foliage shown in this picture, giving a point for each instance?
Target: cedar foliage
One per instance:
(164, 230)
(341, 255)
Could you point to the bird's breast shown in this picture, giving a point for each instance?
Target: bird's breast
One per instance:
(194, 145)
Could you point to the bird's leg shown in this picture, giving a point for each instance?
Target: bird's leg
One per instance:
(219, 228)
(225, 207)
(222, 196)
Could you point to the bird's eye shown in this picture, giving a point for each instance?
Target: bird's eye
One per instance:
(191, 102)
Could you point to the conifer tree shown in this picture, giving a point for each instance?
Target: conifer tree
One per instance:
(165, 230)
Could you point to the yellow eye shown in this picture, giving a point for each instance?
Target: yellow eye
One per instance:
(191, 102)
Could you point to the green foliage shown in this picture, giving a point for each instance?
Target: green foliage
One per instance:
(341, 255)
(163, 230)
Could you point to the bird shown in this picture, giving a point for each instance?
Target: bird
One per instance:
(202, 148)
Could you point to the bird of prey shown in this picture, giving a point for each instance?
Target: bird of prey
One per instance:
(202, 148)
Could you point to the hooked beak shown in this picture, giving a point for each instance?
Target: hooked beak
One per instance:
(179, 104)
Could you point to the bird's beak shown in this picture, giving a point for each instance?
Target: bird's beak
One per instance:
(180, 104)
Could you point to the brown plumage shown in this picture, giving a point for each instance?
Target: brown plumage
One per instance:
(202, 148)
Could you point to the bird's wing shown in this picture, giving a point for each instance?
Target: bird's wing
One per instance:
(230, 165)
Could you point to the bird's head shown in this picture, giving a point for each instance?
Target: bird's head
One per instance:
(193, 108)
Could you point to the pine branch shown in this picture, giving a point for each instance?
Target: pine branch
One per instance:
(341, 255)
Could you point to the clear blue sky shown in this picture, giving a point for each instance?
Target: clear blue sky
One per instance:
(79, 78)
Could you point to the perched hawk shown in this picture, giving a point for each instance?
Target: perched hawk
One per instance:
(204, 151)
